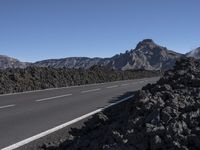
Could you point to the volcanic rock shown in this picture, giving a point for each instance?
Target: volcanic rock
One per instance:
(161, 116)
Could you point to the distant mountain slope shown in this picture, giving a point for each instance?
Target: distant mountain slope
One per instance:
(147, 55)
(72, 62)
(194, 53)
(8, 62)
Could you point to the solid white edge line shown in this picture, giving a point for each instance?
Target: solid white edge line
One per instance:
(1, 107)
(49, 98)
(92, 90)
(45, 133)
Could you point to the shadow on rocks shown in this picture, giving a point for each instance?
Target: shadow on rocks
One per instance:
(95, 126)
(161, 116)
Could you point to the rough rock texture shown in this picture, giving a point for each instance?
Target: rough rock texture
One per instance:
(34, 78)
(147, 55)
(162, 116)
(8, 62)
(72, 62)
(194, 53)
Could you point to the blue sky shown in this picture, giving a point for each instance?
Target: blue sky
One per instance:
(32, 30)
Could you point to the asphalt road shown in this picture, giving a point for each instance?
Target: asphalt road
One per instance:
(26, 114)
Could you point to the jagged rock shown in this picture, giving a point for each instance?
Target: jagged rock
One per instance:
(194, 53)
(162, 116)
(147, 55)
(8, 62)
(156, 143)
(34, 78)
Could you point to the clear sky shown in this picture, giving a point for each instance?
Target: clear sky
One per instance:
(32, 30)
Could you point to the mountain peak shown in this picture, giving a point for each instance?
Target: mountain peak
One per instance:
(194, 53)
(9, 62)
(198, 49)
(146, 43)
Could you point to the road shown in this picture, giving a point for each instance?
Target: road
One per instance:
(24, 115)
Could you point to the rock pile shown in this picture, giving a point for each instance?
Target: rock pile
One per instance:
(162, 116)
(36, 78)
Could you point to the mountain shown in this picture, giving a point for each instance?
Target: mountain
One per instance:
(194, 53)
(72, 62)
(161, 116)
(9, 62)
(147, 55)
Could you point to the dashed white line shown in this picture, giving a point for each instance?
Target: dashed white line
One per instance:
(114, 86)
(125, 84)
(1, 107)
(66, 87)
(40, 135)
(49, 98)
(93, 90)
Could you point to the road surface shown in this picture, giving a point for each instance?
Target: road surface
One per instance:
(26, 114)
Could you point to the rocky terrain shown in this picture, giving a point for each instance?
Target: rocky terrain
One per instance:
(36, 78)
(8, 62)
(147, 55)
(194, 53)
(72, 62)
(162, 116)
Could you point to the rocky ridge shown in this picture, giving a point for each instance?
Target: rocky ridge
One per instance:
(194, 53)
(72, 62)
(8, 62)
(161, 116)
(147, 55)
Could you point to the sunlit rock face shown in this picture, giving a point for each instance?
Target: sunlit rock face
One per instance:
(8, 62)
(147, 55)
(194, 53)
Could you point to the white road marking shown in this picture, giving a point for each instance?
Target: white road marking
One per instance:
(66, 87)
(45, 133)
(1, 107)
(49, 98)
(114, 86)
(93, 90)
(125, 84)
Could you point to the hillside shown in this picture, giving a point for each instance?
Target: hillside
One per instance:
(161, 116)
(147, 55)
(194, 53)
(8, 62)
(72, 62)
